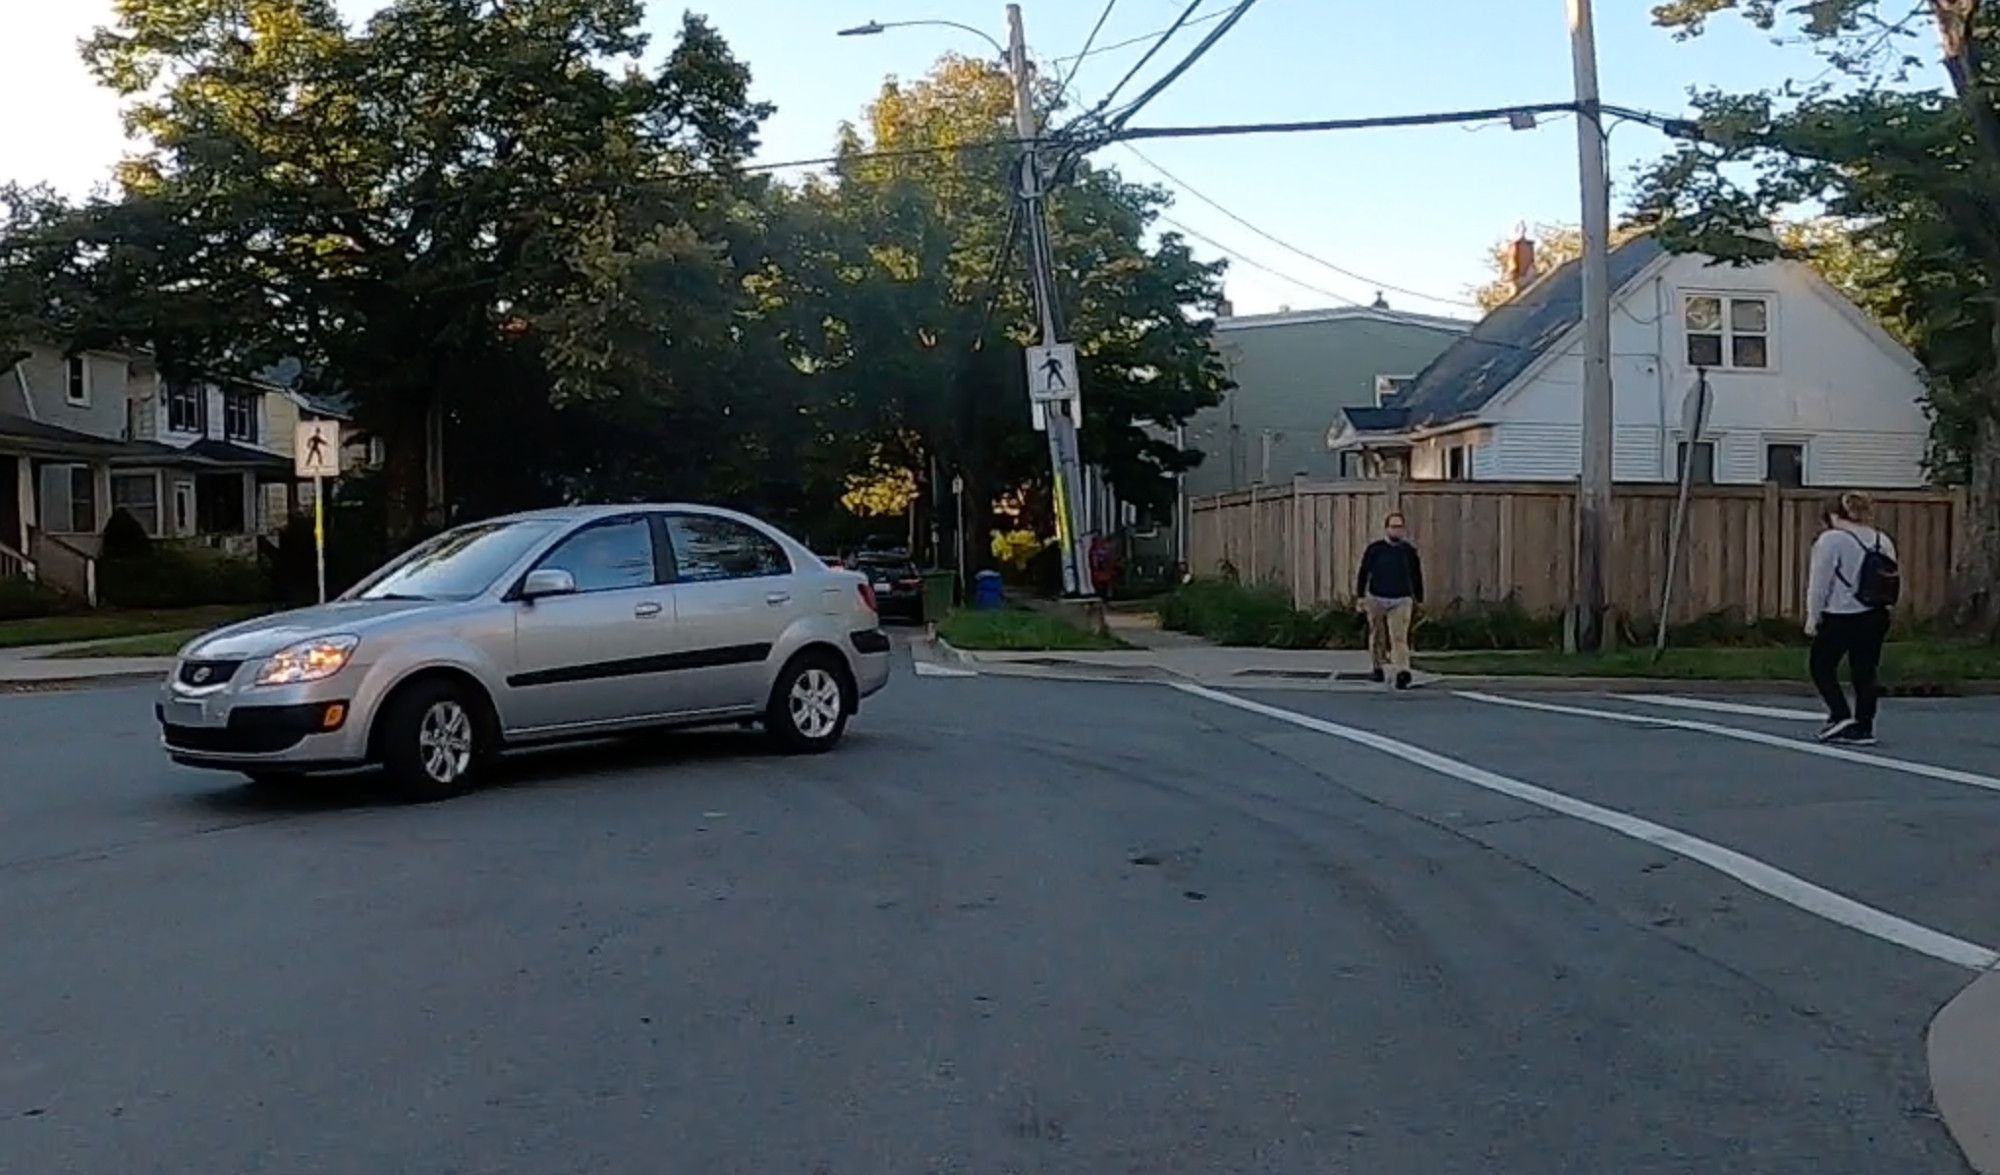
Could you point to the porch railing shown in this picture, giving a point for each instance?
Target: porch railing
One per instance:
(63, 566)
(15, 565)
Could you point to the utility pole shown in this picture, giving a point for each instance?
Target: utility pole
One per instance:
(1065, 460)
(1593, 504)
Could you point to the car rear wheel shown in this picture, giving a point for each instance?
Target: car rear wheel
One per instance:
(810, 704)
(434, 741)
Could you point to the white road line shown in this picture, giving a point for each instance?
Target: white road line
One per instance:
(927, 669)
(1823, 750)
(1768, 879)
(1728, 707)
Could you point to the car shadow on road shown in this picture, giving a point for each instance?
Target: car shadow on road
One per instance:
(559, 765)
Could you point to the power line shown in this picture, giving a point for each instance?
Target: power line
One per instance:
(1380, 122)
(1164, 36)
(1191, 190)
(1088, 41)
(1253, 263)
(1141, 39)
(1186, 63)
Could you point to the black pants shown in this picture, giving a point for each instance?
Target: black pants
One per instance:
(1857, 636)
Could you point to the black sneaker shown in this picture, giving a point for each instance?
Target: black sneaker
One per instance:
(1834, 729)
(1403, 679)
(1375, 675)
(1853, 736)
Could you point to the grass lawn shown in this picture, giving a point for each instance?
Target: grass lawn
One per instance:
(1906, 663)
(1020, 631)
(106, 624)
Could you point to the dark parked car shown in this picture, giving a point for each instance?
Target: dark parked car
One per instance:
(899, 589)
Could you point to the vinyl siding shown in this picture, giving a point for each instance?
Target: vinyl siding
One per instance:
(1862, 459)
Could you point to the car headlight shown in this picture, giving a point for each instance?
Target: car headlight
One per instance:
(313, 660)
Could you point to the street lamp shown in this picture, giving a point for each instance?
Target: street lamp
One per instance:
(875, 26)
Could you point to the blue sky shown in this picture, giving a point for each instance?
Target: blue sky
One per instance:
(1411, 208)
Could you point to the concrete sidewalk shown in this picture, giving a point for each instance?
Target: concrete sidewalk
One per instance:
(38, 667)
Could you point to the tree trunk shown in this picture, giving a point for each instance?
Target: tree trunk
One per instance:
(1976, 575)
(406, 477)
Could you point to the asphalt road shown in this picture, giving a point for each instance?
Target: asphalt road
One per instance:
(1012, 926)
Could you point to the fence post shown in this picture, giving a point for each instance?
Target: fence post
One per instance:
(1250, 564)
(1298, 541)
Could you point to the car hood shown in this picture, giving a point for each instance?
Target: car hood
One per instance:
(268, 634)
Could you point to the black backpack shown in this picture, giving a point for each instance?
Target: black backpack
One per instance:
(1880, 581)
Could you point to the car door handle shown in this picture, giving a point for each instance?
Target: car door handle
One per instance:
(646, 611)
(775, 599)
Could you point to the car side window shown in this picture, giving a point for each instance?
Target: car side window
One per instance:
(708, 549)
(606, 557)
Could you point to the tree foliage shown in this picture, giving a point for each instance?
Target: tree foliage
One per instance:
(487, 215)
(1910, 176)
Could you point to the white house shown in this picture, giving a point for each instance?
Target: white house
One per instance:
(1806, 389)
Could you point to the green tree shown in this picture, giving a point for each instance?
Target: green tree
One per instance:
(457, 191)
(1909, 174)
(904, 292)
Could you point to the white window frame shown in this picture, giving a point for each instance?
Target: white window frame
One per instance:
(1385, 386)
(200, 400)
(248, 399)
(1804, 446)
(153, 524)
(76, 380)
(1727, 332)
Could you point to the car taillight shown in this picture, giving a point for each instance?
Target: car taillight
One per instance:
(868, 596)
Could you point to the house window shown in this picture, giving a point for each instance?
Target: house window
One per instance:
(1728, 332)
(1455, 463)
(69, 499)
(76, 381)
(138, 494)
(184, 408)
(1704, 463)
(239, 416)
(1785, 464)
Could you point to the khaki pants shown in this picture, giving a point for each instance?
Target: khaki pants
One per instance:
(1389, 632)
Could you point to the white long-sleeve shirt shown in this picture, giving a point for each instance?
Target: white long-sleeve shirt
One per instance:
(1836, 569)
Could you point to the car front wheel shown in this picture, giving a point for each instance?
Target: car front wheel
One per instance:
(810, 704)
(434, 742)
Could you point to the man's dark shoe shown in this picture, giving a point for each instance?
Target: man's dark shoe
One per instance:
(1375, 675)
(1403, 679)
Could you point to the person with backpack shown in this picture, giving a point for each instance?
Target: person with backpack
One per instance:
(1853, 583)
(1390, 586)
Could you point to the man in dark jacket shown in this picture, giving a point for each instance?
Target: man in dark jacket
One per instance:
(1390, 586)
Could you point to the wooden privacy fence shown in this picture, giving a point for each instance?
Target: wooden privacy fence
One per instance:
(1745, 549)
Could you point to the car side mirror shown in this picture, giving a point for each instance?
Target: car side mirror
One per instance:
(547, 581)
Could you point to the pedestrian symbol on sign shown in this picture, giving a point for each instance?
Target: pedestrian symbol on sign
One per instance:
(1052, 373)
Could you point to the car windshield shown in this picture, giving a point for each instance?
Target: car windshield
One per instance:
(456, 565)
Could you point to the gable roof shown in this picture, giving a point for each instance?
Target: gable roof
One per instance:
(1507, 342)
(1384, 314)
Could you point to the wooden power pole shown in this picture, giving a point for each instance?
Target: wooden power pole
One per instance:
(1593, 513)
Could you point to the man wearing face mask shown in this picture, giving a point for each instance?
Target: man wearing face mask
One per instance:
(1390, 586)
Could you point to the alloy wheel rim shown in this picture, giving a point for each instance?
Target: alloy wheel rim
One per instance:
(815, 703)
(444, 741)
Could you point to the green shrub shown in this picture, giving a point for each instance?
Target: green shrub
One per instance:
(173, 577)
(1460, 625)
(25, 599)
(1232, 614)
(125, 538)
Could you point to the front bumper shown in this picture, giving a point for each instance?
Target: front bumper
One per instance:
(232, 726)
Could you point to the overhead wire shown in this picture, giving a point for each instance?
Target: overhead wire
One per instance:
(1191, 190)
(1142, 38)
(1201, 48)
(1165, 35)
(1077, 62)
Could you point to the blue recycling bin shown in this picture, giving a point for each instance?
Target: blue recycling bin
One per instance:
(986, 594)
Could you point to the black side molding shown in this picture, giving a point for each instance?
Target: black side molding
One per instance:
(642, 666)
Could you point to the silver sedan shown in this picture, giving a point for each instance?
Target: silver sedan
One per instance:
(558, 624)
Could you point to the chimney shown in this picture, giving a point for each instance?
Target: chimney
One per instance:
(1224, 308)
(1380, 302)
(1521, 261)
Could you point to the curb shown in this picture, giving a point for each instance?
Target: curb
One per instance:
(1964, 1053)
(63, 685)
